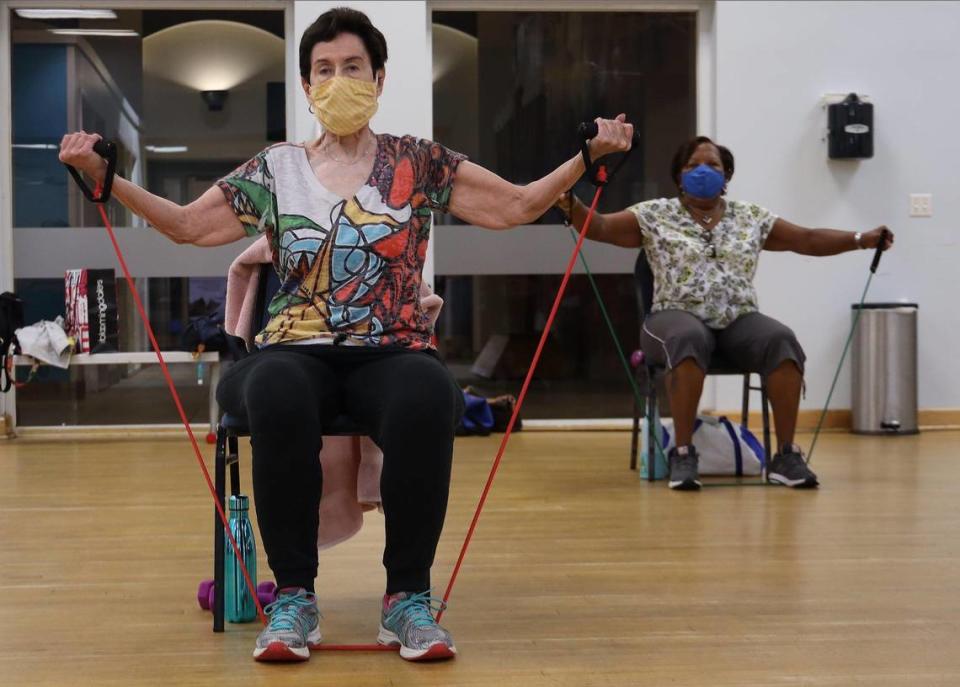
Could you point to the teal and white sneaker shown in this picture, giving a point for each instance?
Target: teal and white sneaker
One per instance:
(293, 630)
(407, 620)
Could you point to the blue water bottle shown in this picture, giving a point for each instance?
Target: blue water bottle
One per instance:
(239, 606)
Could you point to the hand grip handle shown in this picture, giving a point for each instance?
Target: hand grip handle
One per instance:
(597, 173)
(588, 130)
(103, 148)
(108, 151)
(879, 252)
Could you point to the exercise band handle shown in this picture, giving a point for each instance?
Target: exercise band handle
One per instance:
(597, 173)
(588, 130)
(108, 151)
(879, 252)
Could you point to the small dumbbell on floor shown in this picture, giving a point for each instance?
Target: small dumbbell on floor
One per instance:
(206, 598)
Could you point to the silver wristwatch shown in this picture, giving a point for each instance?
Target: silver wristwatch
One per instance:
(856, 240)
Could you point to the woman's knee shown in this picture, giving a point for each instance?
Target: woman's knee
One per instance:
(279, 394)
(690, 345)
(782, 348)
(670, 337)
(433, 404)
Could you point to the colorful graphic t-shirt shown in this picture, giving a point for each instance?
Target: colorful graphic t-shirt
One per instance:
(350, 269)
(708, 274)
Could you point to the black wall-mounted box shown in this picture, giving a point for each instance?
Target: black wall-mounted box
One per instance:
(850, 126)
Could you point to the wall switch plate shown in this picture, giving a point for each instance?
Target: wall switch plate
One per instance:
(921, 205)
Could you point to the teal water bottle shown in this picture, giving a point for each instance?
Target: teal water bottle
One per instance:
(239, 606)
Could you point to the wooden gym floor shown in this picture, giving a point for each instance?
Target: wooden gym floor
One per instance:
(579, 574)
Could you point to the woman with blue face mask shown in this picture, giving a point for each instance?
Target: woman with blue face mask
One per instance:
(703, 251)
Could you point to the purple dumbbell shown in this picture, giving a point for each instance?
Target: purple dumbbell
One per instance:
(266, 593)
(205, 595)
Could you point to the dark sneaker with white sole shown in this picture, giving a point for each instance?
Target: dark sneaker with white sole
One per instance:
(790, 469)
(684, 468)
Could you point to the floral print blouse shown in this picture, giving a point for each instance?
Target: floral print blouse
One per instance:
(706, 273)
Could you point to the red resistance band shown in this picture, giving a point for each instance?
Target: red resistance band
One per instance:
(601, 177)
(183, 416)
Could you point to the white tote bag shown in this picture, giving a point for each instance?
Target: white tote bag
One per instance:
(725, 448)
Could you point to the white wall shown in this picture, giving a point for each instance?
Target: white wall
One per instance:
(774, 60)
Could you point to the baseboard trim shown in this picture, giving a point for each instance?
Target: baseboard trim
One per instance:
(836, 421)
(842, 418)
(942, 418)
(86, 433)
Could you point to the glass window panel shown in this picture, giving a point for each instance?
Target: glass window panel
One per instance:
(509, 90)
(116, 86)
(121, 394)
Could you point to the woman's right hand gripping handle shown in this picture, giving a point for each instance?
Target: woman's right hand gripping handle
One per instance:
(77, 150)
(207, 221)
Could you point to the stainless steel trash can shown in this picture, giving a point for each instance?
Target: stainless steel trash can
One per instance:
(885, 369)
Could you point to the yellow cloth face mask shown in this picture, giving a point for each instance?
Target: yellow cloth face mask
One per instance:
(344, 105)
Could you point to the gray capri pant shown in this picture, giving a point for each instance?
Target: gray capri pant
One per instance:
(752, 342)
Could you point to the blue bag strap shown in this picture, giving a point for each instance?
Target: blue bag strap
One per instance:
(750, 440)
(737, 453)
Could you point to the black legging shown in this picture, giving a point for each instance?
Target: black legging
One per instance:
(407, 401)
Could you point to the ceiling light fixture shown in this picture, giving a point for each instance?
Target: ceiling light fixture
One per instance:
(95, 32)
(66, 14)
(166, 149)
(214, 99)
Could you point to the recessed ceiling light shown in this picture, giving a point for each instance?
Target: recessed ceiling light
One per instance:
(166, 149)
(67, 14)
(94, 32)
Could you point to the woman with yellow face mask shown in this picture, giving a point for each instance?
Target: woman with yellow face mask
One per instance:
(348, 218)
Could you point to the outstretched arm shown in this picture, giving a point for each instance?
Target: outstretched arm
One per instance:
(820, 242)
(617, 228)
(481, 197)
(207, 221)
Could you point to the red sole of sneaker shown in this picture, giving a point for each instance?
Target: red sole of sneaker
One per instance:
(438, 652)
(278, 652)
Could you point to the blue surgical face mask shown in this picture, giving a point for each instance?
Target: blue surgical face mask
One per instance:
(702, 182)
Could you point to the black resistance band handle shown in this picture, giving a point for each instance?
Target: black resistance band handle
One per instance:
(585, 132)
(108, 151)
(879, 252)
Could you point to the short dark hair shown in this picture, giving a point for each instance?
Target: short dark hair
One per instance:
(339, 20)
(686, 150)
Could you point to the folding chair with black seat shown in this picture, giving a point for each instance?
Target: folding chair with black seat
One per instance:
(232, 427)
(648, 375)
